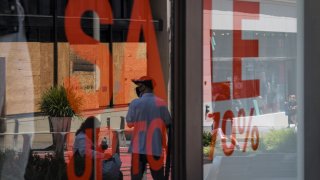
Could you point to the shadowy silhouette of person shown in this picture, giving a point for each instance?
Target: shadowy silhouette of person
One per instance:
(147, 113)
(291, 110)
(85, 145)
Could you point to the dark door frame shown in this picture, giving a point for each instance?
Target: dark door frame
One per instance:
(187, 89)
(311, 88)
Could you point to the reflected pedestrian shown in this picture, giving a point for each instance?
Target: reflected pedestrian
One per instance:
(149, 116)
(85, 145)
(291, 110)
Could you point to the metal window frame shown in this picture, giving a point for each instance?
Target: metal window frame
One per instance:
(311, 88)
(187, 89)
(187, 100)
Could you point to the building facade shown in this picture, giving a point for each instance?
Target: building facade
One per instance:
(239, 78)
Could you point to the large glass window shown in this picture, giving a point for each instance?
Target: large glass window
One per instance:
(250, 108)
(69, 71)
(85, 89)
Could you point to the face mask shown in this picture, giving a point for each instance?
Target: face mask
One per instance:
(138, 92)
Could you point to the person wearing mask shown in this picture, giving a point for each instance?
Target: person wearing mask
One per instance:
(145, 113)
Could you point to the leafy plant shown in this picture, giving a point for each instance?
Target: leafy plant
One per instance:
(206, 138)
(59, 101)
(283, 140)
(32, 166)
(206, 151)
(49, 167)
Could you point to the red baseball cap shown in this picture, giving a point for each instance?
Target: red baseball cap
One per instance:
(147, 80)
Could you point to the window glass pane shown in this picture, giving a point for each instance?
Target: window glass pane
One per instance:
(68, 103)
(250, 125)
(26, 61)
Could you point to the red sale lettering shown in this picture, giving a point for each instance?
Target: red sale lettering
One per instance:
(97, 53)
(88, 163)
(242, 114)
(156, 164)
(236, 87)
(87, 47)
(228, 116)
(93, 51)
(255, 132)
(241, 48)
(138, 127)
(249, 132)
(142, 20)
(74, 11)
(244, 48)
(135, 163)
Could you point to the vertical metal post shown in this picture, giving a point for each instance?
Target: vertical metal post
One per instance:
(311, 77)
(2, 94)
(3, 125)
(109, 128)
(300, 88)
(187, 87)
(178, 89)
(2, 87)
(96, 27)
(111, 67)
(96, 36)
(194, 79)
(55, 43)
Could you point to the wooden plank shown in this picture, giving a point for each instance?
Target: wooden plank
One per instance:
(63, 62)
(129, 62)
(46, 68)
(95, 85)
(31, 72)
(23, 74)
(3, 126)
(18, 50)
(16, 83)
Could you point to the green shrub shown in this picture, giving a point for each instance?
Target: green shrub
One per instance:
(59, 101)
(283, 140)
(49, 167)
(206, 138)
(206, 151)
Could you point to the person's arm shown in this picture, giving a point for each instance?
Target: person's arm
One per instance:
(165, 115)
(82, 144)
(130, 115)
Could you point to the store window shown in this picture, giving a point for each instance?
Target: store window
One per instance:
(68, 77)
(250, 106)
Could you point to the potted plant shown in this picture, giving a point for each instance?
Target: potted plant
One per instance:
(60, 104)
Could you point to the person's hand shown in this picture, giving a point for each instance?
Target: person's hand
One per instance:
(104, 146)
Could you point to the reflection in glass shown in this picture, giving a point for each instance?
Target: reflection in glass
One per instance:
(250, 108)
(36, 53)
(18, 60)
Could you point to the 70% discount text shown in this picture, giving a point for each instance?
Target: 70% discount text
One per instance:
(244, 127)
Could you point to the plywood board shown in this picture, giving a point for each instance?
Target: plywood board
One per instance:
(64, 62)
(22, 75)
(29, 72)
(46, 68)
(129, 62)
